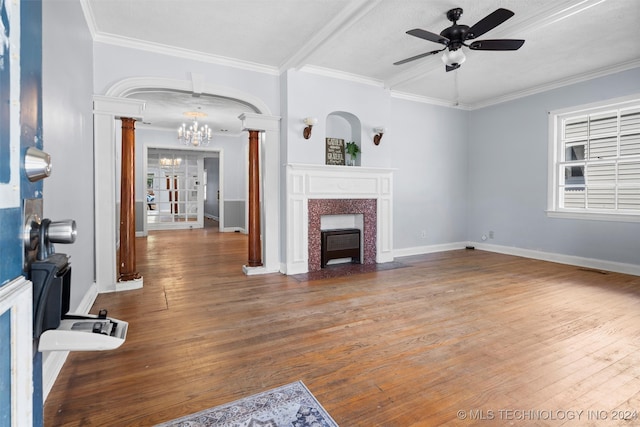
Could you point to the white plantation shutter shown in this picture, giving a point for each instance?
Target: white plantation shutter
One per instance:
(629, 185)
(599, 160)
(574, 199)
(602, 148)
(576, 128)
(630, 132)
(600, 174)
(603, 123)
(629, 173)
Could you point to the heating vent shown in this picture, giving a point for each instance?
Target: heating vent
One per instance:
(340, 243)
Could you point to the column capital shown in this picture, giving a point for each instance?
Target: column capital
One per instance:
(259, 122)
(128, 123)
(119, 107)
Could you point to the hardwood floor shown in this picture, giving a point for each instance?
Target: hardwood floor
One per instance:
(456, 338)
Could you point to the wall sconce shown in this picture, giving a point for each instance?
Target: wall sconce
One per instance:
(378, 136)
(309, 121)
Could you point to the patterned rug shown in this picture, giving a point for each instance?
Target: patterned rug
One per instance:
(291, 405)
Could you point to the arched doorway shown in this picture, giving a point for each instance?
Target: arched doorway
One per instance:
(114, 105)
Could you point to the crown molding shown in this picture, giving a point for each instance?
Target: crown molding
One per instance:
(89, 17)
(523, 93)
(557, 84)
(184, 53)
(129, 42)
(426, 100)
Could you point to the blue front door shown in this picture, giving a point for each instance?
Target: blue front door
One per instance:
(20, 128)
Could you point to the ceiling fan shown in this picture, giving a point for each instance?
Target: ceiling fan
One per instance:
(455, 36)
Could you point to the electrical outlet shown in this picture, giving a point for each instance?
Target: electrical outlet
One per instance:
(491, 234)
(423, 234)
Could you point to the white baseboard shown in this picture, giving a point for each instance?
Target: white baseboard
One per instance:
(53, 361)
(233, 230)
(596, 264)
(420, 250)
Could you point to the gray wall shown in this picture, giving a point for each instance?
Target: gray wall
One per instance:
(141, 211)
(235, 214)
(430, 183)
(67, 82)
(508, 152)
(425, 144)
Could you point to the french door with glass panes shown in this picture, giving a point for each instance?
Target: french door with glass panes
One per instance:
(174, 192)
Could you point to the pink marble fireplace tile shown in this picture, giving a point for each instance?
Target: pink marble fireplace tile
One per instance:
(319, 207)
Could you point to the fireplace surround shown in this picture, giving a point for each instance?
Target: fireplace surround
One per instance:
(319, 207)
(316, 190)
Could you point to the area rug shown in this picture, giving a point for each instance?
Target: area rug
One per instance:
(291, 405)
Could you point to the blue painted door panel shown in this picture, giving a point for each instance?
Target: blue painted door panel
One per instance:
(11, 217)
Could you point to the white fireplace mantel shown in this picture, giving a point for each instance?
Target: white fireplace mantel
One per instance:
(306, 182)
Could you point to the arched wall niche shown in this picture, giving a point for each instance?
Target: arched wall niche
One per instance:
(344, 125)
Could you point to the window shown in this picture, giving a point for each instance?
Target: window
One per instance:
(595, 161)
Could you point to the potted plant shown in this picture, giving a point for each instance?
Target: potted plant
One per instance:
(353, 150)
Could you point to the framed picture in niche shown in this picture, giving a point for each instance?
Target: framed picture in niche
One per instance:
(334, 151)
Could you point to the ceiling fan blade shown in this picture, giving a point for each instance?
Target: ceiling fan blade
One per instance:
(489, 22)
(501, 44)
(451, 67)
(413, 58)
(427, 35)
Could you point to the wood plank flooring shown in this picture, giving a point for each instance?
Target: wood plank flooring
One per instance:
(455, 338)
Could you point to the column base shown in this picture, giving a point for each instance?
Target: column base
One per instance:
(128, 285)
(250, 271)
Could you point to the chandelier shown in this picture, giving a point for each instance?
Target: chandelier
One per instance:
(195, 135)
(169, 163)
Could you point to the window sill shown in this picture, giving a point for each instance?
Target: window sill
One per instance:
(594, 216)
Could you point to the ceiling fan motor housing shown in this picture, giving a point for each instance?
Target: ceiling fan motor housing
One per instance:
(456, 35)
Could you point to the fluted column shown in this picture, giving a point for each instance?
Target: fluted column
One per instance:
(127, 267)
(255, 246)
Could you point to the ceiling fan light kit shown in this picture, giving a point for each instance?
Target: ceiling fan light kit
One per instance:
(455, 37)
(454, 58)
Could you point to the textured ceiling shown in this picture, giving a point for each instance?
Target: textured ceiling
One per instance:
(566, 40)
